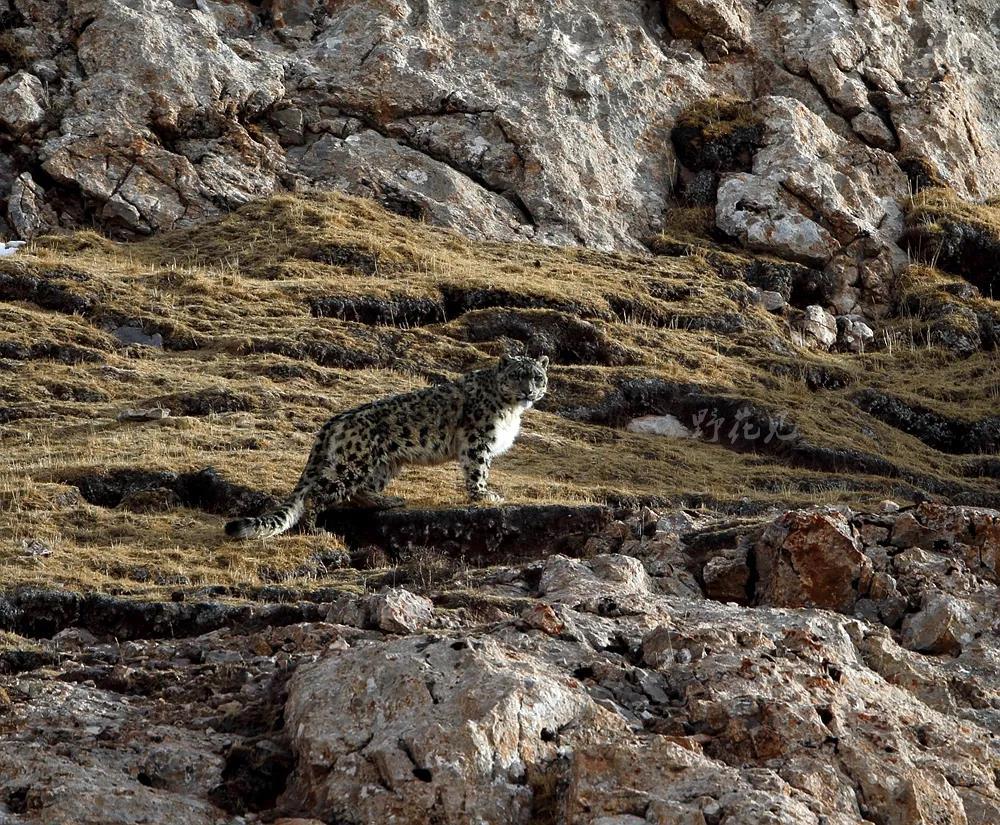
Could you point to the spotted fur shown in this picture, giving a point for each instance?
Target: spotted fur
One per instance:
(357, 453)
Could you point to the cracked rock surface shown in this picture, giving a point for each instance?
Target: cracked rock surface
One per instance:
(811, 666)
(552, 121)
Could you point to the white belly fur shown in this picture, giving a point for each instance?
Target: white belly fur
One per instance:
(507, 428)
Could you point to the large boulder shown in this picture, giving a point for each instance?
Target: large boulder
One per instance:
(820, 198)
(810, 559)
(426, 729)
(22, 102)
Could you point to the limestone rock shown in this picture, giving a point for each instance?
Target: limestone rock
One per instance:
(181, 86)
(151, 414)
(814, 197)
(29, 214)
(872, 129)
(944, 624)
(408, 181)
(543, 617)
(597, 692)
(818, 328)
(605, 579)
(129, 334)
(550, 122)
(667, 425)
(724, 19)
(765, 218)
(810, 559)
(22, 103)
(772, 301)
(426, 729)
(80, 786)
(400, 611)
(394, 610)
(727, 577)
(854, 334)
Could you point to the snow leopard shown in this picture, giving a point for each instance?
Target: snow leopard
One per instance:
(357, 453)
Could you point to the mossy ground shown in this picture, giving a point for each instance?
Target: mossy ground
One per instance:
(957, 236)
(232, 299)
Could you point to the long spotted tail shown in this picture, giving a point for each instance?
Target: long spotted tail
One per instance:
(283, 518)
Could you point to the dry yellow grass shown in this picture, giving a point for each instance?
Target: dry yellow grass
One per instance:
(233, 299)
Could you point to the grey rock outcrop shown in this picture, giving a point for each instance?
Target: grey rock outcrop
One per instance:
(549, 121)
(22, 103)
(463, 722)
(27, 211)
(817, 328)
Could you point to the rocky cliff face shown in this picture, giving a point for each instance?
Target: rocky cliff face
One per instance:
(561, 122)
(823, 666)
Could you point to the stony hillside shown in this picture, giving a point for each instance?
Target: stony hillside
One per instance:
(747, 569)
(636, 607)
(254, 328)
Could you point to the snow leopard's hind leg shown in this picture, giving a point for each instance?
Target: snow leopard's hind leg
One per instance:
(369, 495)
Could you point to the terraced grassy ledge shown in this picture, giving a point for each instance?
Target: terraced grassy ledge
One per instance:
(279, 314)
(959, 237)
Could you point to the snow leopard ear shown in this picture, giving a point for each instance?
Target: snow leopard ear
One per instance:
(506, 359)
(544, 362)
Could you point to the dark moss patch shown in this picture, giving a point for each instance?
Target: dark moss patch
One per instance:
(478, 535)
(355, 258)
(400, 203)
(203, 402)
(49, 351)
(201, 490)
(284, 371)
(653, 314)
(962, 249)
(328, 353)
(255, 774)
(956, 328)
(20, 661)
(982, 468)
(736, 423)
(989, 327)
(41, 613)
(797, 283)
(44, 291)
(81, 393)
(949, 435)
(712, 137)
(718, 133)
(954, 316)
(919, 173)
(959, 238)
(459, 300)
(565, 338)
(10, 414)
(393, 311)
(816, 376)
